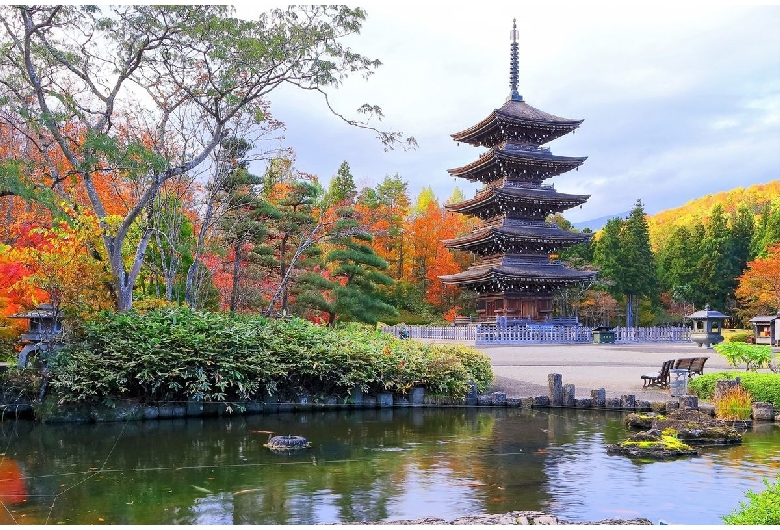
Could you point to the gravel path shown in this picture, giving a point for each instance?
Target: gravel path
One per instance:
(521, 371)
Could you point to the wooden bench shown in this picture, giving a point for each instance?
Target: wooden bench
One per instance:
(659, 379)
(694, 365)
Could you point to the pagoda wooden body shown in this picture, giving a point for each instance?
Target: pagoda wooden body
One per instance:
(514, 273)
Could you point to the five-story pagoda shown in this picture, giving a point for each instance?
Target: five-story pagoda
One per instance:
(515, 273)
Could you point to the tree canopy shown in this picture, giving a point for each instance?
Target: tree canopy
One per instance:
(141, 94)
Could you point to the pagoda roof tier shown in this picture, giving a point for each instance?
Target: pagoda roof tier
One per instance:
(506, 233)
(520, 162)
(517, 273)
(517, 121)
(517, 198)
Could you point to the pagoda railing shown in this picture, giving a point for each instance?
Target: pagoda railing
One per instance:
(509, 183)
(485, 334)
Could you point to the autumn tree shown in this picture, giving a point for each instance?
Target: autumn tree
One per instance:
(758, 290)
(385, 209)
(73, 75)
(58, 267)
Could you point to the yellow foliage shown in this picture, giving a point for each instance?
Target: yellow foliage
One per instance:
(662, 224)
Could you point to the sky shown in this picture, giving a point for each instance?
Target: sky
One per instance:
(678, 101)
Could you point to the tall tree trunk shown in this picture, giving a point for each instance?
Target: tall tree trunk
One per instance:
(236, 271)
(282, 269)
(305, 243)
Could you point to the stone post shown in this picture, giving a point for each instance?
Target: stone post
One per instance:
(628, 401)
(416, 396)
(763, 411)
(568, 396)
(384, 399)
(471, 397)
(724, 386)
(689, 402)
(555, 385)
(599, 398)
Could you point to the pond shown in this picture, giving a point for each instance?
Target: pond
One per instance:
(365, 465)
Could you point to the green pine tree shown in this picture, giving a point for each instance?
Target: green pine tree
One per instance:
(350, 292)
(342, 186)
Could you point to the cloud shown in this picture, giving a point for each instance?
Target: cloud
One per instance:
(678, 102)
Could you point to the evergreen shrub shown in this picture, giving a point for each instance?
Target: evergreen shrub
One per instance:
(741, 336)
(177, 354)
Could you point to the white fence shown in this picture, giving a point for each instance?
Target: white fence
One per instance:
(489, 334)
(465, 333)
(539, 333)
(654, 334)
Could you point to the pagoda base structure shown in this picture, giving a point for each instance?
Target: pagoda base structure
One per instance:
(515, 307)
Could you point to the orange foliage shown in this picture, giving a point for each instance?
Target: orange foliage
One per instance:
(55, 265)
(430, 257)
(759, 286)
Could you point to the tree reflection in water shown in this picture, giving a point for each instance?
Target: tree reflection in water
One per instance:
(384, 464)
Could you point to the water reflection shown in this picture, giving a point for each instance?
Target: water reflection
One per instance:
(364, 466)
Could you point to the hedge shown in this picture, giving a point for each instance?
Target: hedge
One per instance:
(178, 354)
(764, 387)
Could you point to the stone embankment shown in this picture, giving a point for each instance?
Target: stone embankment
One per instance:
(511, 518)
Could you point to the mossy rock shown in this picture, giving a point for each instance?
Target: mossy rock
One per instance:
(643, 421)
(698, 428)
(652, 444)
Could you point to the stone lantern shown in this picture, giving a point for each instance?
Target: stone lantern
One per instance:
(44, 330)
(707, 326)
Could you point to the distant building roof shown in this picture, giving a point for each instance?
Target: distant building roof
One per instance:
(765, 319)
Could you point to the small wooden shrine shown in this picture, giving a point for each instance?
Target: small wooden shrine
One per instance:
(515, 272)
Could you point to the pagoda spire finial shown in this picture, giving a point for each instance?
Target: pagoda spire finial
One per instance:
(514, 68)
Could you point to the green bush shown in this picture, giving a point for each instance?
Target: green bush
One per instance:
(753, 355)
(741, 336)
(19, 385)
(177, 354)
(763, 387)
(763, 508)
